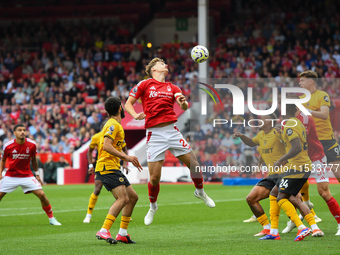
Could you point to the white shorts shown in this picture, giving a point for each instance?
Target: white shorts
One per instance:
(160, 139)
(9, 184)
(318, 171)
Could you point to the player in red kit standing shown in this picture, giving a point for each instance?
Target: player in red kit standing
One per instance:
(19, 152)
(158, 98)
(318, 171)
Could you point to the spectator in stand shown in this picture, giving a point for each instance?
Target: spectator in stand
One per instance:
(50, 168)
(62, 162)
(210, 148)
(206, 126)
(198, 134)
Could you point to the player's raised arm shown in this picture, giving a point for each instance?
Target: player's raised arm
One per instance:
(246, 139)
(131, 110)
(182, 102)
(108, 147)
(322, 114)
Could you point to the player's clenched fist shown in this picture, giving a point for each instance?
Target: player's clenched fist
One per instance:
(139, 116)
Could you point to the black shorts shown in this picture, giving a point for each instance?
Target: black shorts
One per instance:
(269, 182)
(113, 180)
(292, 181)
(331, 149)
(96, 176)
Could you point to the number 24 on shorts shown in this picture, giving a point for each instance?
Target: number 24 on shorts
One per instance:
(284, 183)
(183, 142)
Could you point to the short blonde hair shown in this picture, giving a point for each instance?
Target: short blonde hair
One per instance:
(151, 64)
(309, 74)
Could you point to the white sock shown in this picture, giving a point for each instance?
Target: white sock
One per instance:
(339, 226)
(154, 206)
(314, 226)
(274, 231)
(103, 230)
(301, 227)
(266, 226)
(122, 232)
(88, 215)
(301, 217)
(51, 218)
(200, 192)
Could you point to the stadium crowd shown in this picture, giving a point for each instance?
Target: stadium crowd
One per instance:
(65, 81)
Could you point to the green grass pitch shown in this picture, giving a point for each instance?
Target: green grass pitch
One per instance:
(182, 225)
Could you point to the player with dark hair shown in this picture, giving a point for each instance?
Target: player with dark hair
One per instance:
(95, 140)
(298, 166)
(19, 152)
(108, 172)
(158, 98)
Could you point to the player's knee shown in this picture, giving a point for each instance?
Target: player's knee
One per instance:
(134, 198)
(250, 199)
(124, 200)
(97, 191)
(154, 180)
(325, 194)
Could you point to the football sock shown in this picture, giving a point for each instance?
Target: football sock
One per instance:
(48, 211)
(154, 206)
(197, 178)
(124, 224)
(153, 192)
(200, 192)
(108, 221)
(290, 211)
(312, 211)
(311, 221)
(264, 221)
(92, 203)
(274, 231)
(334, 209)
(274, 212)
(305, 191)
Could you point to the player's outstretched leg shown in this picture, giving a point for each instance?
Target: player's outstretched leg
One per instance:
(155, 169)
(93, 200)
(46, 206)
(274, 220)
(305, 198)
(122, 235)
(191, 162)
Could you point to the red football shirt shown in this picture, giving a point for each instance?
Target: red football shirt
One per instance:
(19, 156)
(158, 100)
(315, 148)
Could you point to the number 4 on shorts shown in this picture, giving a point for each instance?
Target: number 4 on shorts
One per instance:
(284, 183)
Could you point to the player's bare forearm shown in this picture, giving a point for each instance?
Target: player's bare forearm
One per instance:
(246, 139)
(125, 150)
(89, 155)
(35, 164)
(129, 106)
(108, 147)
(295, 150)
(2, 166)
(322, 114)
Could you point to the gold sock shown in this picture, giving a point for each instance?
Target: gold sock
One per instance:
(290, 211)
(312, 211)
(305, 191)
(109, 221)
(310, 219)
(124, 223)
(263, 220)
(274, 212)
(92, 203)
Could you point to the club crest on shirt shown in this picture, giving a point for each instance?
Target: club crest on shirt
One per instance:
(27, 150)
(289, 131)
(169, 88)
(112, 128)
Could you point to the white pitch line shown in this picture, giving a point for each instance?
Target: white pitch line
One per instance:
(106, 208)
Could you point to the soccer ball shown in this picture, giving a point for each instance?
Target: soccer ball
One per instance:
(199, 54)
